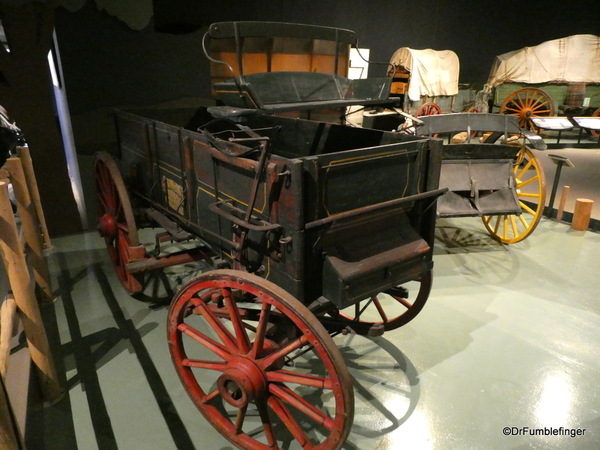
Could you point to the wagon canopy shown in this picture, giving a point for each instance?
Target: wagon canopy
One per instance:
(569, 60)
(432, 72)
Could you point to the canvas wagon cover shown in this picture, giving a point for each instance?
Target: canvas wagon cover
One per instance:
(432, 72)
(569, 60)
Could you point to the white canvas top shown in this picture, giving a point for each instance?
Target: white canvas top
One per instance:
(569, 60)
(432, 72)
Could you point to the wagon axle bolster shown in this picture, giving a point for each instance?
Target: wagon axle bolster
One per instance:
(176, 233)
(344, 326)
(172, 259)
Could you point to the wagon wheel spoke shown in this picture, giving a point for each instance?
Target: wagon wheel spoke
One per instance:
(261, 329)
(284, 376)
(267, 424)
(513, 109)
(106, 192)
(103, 204)
(239, 420)
(218, 349)
(282, 352)
(290, 422)
(292, 398)
(519, 103)
(219, 366)
(241, 337)
(216, 325)
(380, 310)
(530, 186)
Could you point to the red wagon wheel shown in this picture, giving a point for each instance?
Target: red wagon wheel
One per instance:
(527, 103)
(116, 223)
(428, 109)
(258, 365)
(596, 133)
(393, 308)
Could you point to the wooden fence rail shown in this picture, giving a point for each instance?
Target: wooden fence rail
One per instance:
(22, 253)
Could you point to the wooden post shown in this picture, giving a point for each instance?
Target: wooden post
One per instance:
(563, 200)
(582, 214)
(31, 227)
(7, 320)
(18, 275)
(32, 187)
(10, 436)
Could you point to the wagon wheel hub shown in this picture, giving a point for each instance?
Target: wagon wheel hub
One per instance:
(107, 226)
(242, 382)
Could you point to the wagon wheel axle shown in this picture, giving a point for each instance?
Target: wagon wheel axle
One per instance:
(107, 226)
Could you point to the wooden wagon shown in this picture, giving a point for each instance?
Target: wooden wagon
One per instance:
(324, 229)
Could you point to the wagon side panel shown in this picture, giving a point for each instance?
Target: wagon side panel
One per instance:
(223, 189)
(134, 140)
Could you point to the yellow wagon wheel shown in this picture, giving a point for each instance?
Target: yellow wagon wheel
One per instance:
(531, 192)
(596, 133)
(527, 103)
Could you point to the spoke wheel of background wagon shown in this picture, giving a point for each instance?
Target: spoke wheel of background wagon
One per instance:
(428, 109)
(531, 192)
(258, 365)
(527, 103)
(116, 223)
(596, 133)
(393, 308)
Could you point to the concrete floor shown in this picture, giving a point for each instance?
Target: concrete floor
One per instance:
(508, 338)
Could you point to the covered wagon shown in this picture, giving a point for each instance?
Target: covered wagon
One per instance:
(425, 80)
(560, 76)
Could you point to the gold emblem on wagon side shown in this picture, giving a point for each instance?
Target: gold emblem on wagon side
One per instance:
(174, 194)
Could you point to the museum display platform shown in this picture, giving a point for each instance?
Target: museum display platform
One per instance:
(508, 338)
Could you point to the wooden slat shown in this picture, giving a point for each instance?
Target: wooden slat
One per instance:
(7, 319)
(18, 275)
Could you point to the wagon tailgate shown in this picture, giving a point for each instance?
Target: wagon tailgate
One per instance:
(345, 181)
(373, 240)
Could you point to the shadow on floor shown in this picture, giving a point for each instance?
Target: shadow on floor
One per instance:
(88, 354)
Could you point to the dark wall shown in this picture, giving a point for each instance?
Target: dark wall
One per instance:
(106, 63)
(476, 30)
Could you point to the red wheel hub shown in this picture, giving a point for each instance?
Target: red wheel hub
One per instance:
(107, 227)
(242, 382)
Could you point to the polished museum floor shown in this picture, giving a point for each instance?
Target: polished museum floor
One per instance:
(508, 338)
